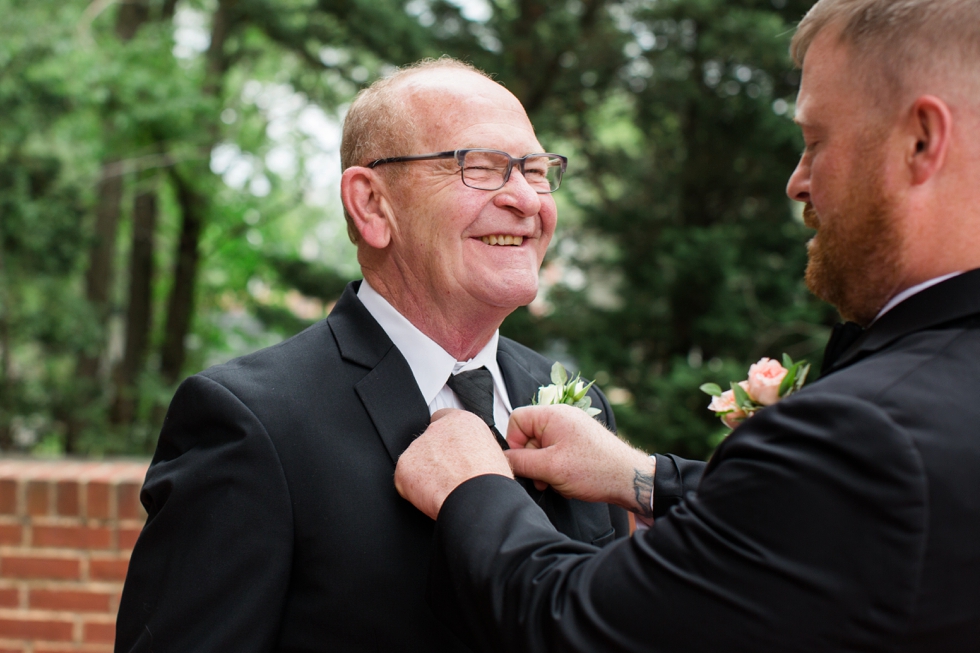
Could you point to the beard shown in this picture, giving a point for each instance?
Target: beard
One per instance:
(854, 259)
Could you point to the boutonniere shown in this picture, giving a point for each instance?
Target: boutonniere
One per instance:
(565, 391)
(768, 382)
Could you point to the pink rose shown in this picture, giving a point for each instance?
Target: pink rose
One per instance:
(732, 415)
(733, 419)
(764, 379)
(724, 403)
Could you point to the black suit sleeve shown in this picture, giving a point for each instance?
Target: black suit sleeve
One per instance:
(211, 567)
(673, 479)
(806, 534)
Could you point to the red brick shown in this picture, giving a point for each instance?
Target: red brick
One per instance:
(39, 567)
(73, 600)
(128, 495)
(11, 534)
(114, 569)
(101, 632)
(98, 500)
(9, 597)
(71, 648)
(8, 496)
(72, 537)
(66, 498)
(128, 537)
(56, 630)
(37, 498)
(4, 649)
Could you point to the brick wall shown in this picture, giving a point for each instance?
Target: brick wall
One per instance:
(66, 532)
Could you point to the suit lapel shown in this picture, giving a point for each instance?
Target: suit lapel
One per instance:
(521, 385)
(388, 391)
(946, 302)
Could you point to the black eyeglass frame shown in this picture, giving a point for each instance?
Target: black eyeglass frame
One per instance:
(460, 156)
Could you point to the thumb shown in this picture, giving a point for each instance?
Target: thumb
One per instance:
(442, 412)
(523, 425)
(530, 463)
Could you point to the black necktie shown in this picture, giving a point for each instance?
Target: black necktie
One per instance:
(842, 337)
(474, 389)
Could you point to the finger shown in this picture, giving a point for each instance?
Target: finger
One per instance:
(442, 412)
(523, 426)
(540, 486)
(531, 463)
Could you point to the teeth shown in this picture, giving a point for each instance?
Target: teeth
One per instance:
(503, 239)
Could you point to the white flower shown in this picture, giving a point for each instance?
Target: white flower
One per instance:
(563, 391)
(548, 395)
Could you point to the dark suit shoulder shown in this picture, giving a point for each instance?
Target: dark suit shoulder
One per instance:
(286, 361)
(940, 353)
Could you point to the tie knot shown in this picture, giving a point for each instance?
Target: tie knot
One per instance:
(474, 389)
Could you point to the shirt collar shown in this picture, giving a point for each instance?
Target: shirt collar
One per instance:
(431, 364)
(908, 292)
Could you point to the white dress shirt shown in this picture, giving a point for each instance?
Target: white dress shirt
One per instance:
(431, 364)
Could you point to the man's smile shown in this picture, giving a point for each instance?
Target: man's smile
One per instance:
(502, 239)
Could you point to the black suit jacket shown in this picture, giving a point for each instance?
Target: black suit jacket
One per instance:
(273, 522)
(844, 518)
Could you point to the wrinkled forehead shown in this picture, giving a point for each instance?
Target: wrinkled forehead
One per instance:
(454, 109)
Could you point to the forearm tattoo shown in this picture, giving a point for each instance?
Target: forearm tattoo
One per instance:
(643, 488)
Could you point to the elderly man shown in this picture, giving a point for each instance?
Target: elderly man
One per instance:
(273, 523)
(847, 516)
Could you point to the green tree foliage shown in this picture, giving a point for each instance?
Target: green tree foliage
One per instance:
(157, 213)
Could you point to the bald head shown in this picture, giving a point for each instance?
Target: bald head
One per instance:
(397, 115)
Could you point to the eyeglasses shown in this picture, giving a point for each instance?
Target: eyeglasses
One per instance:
(490, 169)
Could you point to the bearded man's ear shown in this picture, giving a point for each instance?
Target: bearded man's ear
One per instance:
(363, 193)
(931, 126)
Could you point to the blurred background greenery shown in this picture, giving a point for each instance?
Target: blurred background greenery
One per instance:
(169, 194)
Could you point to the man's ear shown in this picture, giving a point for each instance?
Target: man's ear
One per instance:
(364, 197)
(931, 130)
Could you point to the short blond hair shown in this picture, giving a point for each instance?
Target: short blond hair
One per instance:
(378, 124)
(899, 42)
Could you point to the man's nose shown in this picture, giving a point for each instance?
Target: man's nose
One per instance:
(798, 187)
(519, 196)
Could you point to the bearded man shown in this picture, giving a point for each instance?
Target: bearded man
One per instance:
(272, 521)
(846, 517)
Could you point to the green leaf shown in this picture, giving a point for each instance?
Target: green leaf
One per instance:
(583, 403)
(742, 398)
(788, 380)
(787, 361)
(712, 389)
(592, 412)
(801, 376)
(558, 374)
(585, 389)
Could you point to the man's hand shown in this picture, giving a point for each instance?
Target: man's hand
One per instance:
(565, 448)
(456, 447)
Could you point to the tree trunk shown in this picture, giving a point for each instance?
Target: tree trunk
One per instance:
(180, 306)
(139, 315)
(98, 289)
(132, 14)
(168, 10)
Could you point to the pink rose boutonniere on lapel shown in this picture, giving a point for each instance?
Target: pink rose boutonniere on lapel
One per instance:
(768, 382)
